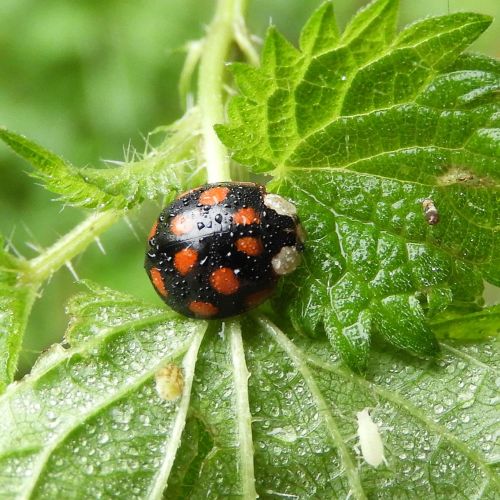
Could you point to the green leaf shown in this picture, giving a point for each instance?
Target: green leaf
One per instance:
(66, 421)
(261, 413)
(58, 175)
(473, 326)
(359, 130)
(221, 408)
(16, 300)
(160, 171)
(320, 32)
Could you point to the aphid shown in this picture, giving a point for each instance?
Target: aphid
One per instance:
(219, 250)
(169, 382)
(431, 213)
(370, 441)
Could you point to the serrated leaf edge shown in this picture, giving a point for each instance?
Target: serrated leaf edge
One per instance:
(42, 461)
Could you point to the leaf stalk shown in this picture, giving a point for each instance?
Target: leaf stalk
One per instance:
(40, 268)
(220, 35)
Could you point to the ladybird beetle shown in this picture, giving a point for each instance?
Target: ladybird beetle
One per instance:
(218, 250)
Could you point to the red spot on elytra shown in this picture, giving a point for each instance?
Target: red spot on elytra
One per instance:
(246, 216)
(181, 224)
(213, 195)
(204, 309)
(225, 281)
(256, 298)
(185, 260)
(249, 245)
(157, 280)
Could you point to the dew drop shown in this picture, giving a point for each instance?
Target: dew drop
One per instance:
(438, 409)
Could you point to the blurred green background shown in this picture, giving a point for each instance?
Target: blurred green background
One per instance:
(86, 78)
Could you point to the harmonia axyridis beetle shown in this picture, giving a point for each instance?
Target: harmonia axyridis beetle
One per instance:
(219, 250)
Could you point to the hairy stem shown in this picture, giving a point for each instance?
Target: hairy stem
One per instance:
(220, 36)
(71, 244)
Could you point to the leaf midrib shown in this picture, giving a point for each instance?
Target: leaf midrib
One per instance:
(407, 405)
(300, 363)
(243, 415)
(160, 480)
(347, 167)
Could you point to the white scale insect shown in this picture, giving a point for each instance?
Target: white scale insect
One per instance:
(169, 382)
(370, 441)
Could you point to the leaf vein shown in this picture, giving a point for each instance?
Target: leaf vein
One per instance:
(300, 362)
(412, 410)
(80, 420)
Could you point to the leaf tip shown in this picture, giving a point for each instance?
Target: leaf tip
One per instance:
(320, 33)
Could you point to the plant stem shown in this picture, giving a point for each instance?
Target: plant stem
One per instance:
(220, 35)
(71, 244)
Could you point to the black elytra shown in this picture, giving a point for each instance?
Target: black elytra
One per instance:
(218, 250)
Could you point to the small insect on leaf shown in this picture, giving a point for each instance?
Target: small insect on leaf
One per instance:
(370, 441)
(169, 382)
(218, 250)
(431, 213)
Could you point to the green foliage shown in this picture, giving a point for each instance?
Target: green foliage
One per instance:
(88, 422)
(475, 326)
(84, 403)
(158, 172)
(15, 304)
(359, 129)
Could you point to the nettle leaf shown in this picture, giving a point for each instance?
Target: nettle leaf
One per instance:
(385, 121)
(359, 129)
(474, 326)
(16, 299)
(261, 412)
(161, 171)
(88, 418)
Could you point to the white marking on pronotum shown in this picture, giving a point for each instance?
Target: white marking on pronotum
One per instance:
(370, 441)
(286, 260)
(280, 205)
